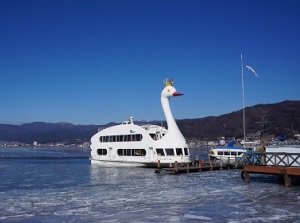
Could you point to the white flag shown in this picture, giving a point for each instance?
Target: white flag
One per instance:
(250, 68)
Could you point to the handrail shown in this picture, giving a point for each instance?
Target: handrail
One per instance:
(272, 159)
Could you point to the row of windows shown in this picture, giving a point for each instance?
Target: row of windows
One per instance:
(142, 152)
(124, 152)
(121, 138)
(229, 153)
(172, 152)
(131, 152)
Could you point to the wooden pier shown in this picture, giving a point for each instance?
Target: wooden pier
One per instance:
(286, 165)
(197, 166)
(282, 164)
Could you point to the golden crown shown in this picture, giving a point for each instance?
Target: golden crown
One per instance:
(169, 82)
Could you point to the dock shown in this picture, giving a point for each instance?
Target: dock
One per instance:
(198, 166)
(285, 165)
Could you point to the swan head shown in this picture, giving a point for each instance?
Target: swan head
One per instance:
(170, 91)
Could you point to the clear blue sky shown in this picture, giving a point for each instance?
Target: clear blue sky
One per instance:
(94, 62)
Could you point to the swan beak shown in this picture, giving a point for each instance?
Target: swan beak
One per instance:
(177, 94)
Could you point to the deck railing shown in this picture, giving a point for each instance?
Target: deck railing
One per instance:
(273, 159)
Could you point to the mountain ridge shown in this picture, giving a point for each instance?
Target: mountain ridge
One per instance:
(262, 120)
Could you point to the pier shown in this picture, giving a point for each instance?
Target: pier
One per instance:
(285, 165)
(198, 166)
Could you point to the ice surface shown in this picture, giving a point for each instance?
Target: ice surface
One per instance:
(73, 190)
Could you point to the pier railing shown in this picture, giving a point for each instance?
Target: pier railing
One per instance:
(273, 159)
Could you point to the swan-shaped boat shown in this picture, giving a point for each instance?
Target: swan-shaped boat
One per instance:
(131, 144)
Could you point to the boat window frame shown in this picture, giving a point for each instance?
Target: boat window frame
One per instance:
(170, 151)
(186, 151)
(131, 152)
(160, 151)
(233, 153)
(121, 138)
(178, 152)
(103, 152)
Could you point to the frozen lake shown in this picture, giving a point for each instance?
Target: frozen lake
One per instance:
(60, 185)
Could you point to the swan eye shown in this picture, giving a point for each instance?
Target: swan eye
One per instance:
(168, 90)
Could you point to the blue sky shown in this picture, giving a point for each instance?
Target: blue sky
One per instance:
(94, 62)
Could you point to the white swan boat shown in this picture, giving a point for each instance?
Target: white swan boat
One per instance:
(131, 144)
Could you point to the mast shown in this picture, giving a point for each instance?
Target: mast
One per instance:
(243, 97)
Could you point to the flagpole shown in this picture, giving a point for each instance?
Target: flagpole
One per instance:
(243, 97)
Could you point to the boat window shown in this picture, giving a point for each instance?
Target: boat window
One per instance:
(186, 151)
(139, 137)
(160, 152)
(127, 152)
(179, 152)
(126, 138)
(220, 153)
(139, 152)
(133, 137)
(153, 136)
(113, 138)
(104, 138)
(227, 153)
(240, 153)
(233, 153)
(131, 152)
(170, 151)
(102, 152)
(121, 138)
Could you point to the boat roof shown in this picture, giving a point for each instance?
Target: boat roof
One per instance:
(235, 148)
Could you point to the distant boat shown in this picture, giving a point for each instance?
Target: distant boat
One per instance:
(134, 145)
(227, 153)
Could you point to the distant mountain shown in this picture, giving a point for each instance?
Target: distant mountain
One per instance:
(264, 119)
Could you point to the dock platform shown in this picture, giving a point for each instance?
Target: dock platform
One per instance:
(286, 165)
(282, 164)
(198, 166)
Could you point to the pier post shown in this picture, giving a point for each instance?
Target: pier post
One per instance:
(210, 164)
(236, 162)
(221, 163)
(247, 177)
(287, 180)
(187, 168)
(158, 164)
(200, 166)
(176, 167)
(228, 163)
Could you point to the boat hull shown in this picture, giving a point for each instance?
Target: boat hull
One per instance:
(162, 162)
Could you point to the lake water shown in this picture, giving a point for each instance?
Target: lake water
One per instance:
(60, 185)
